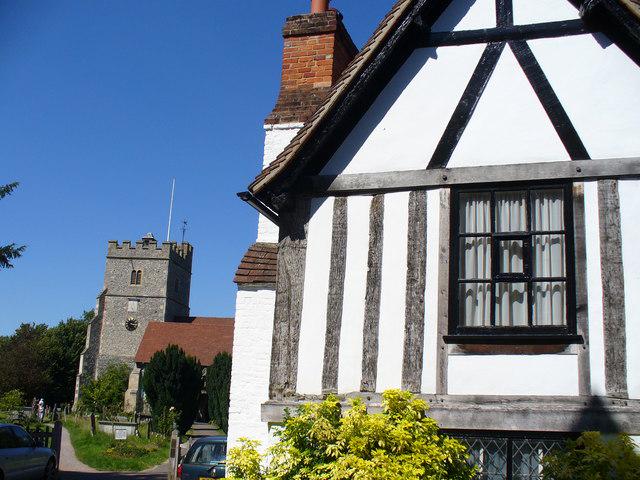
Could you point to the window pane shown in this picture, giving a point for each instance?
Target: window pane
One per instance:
(511, 305)
(475, 257)
(548, 255)
(475, 213)
(475, 303)
(547, 207)
(510, 256)
(549, 303)
(511, 212)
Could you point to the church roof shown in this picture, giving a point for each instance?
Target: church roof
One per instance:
(352, 93)
(200, 337)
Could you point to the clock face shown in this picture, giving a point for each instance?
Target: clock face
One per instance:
(131, 324)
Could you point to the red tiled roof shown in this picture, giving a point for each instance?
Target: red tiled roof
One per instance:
(259, 264)
(201, 337)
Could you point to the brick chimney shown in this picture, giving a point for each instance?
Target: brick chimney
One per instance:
(317, 48)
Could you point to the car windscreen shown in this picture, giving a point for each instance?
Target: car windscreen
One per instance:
(7, 438)
(207, 453)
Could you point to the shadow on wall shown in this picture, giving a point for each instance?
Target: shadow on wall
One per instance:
(596, 416)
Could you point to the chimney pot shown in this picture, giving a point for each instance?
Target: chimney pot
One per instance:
(319, 6)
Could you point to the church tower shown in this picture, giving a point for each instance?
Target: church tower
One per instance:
(143, 282)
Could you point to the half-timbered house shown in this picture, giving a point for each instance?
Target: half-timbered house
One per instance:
(456, 216)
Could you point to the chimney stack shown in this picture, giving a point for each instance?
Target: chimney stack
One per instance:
(319, 6)
(317, 48)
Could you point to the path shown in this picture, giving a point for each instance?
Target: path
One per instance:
(73, 469)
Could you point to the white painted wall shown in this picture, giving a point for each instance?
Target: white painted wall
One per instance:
(316, 289)
(509, 124)
(467, 15)
(393, 291)
(251, 363)
(430, 357)
(276, 139)
(599, 87)
(351, 334)
(629, 207)
(513, 375)
(538, 11)
(401, 129)
(594, 289)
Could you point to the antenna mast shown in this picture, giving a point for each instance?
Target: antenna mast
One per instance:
(173, 187)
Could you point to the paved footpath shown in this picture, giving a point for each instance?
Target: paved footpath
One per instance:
(73, 469)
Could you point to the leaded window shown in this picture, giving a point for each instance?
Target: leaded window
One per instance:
(512, 268)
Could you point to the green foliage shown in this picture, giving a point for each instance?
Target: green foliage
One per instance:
(42, 361)
(11, 251)
(400, 443)
(173, 379)
(218, 387)
(165, 421)
(102, 452)
(106, 394)
(591, 457)
(11, 401)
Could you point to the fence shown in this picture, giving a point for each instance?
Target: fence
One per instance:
(48, 437)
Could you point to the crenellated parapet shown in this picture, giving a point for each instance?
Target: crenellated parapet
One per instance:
(149, 248)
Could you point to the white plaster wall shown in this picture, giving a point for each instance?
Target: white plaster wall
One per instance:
(276, 139)
(594, 289)
(467, 15)
(401, 129)
(251, 364)
(509, 124)
(513, 375)
(599, 87)
(355, 281)
(429, 363)
(537, 11)
(629, 207)
(316, 289)
(393, 291)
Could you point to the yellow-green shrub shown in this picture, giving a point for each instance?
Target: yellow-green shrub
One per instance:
(319, 442)
(590, 457)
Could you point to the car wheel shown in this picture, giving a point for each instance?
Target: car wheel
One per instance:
(50, 470)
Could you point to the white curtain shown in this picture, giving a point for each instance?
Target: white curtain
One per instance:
(511, 300)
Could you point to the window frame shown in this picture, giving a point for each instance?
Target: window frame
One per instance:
(521, 334)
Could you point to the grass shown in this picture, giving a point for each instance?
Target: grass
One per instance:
(104, 453)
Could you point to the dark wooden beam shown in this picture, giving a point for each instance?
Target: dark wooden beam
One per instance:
(363, 183)
(292, 254)
(335, 297)
(372, 296)
(613, 302)
(502, 34)
(415, 292)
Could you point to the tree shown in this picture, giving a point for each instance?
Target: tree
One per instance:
(24, 364)
(106, 394)
(62, 346)
(173, 380)
(593, 458)
(11, 251)
(400, 443)
(218, 387)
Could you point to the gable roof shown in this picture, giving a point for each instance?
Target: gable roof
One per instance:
(619, 19)
(200, 337)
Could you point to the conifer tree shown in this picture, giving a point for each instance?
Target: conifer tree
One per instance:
(218, 387)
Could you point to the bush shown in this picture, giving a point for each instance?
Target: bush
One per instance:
(106, 394)
(400, 443)
(12, 401)
(173, 380)
(590, 457)
(218, 387)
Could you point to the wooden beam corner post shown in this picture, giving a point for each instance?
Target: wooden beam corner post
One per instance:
(292, 252)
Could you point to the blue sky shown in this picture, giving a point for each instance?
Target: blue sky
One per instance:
(101, 104)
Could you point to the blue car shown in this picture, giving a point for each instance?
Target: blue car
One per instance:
(205, 460)
(21, 458)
